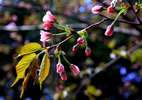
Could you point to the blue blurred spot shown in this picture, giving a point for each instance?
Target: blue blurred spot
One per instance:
(131, 75)
(126, 95)
(1, 1)
(11, 93)
(2, 98)
(90, 5)
(49, 97)
(124, 79)
(28, 98)
(138, 79)
(8, 84)
(45, 91)
(123, 71)
(87, 1)
(82, 9)
(118, 66)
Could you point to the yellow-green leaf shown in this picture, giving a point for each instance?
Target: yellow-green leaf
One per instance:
(24, 84)
(22, 66)
(44, 69)
(91, 89)
(30, 48)
(112, 44)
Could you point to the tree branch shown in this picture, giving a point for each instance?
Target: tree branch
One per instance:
(95, 24)
(49, 47)
(119, 20)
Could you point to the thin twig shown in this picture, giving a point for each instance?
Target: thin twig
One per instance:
(49, 47)
(119, 20)
(95, 24)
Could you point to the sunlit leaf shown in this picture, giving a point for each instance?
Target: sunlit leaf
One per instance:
(30, 48)
(44, 69)
(22, 66)
(24, 84)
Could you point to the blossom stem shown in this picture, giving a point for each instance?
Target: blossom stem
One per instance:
(43, 44)
(122, 11)
(66, 59)
(61, 26)
(85, 41)
(59, 58)
(43, 51)
(59, 34)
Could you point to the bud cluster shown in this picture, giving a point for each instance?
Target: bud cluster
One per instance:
(60, 67)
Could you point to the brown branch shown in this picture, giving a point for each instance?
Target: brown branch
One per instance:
(95, 24)
(119, 20)
(75, 33)
(49, 47)
(130, 2)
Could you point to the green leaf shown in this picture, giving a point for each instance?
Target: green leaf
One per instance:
(133, 58)
(83, 33)
(68, 32)
(30, 48)
(91, 89)
(22, 66)
(44, 69)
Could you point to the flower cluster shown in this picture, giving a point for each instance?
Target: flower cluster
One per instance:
(60, 67)
(111, 9)
(80, 41)
(48, 21)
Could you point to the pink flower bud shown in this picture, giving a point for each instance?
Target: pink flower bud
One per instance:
(109, 30)
(47, 25)
(74, 69)
(60, 68)
(45, 36)
(110, 9)
(80, 40)
(88, 51)
(74, 49)
(48, 17)
(97, 9)
(63, 76)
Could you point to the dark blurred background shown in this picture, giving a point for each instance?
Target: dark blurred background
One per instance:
(21, 22)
